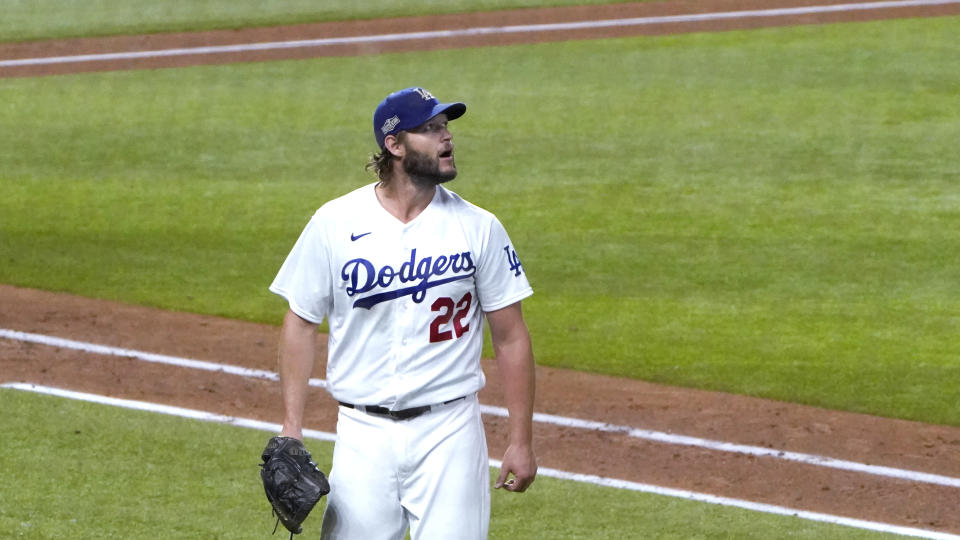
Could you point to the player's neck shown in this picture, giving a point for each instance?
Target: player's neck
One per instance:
(403, 199)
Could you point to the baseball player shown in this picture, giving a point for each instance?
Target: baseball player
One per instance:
(405, 272)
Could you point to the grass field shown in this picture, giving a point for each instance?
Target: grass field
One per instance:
(772, 213)
(25, 20)
(186, 479)
(769, 213)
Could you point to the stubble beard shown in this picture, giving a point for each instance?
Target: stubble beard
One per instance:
(425, 171)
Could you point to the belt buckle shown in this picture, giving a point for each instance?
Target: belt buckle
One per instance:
(407, 414)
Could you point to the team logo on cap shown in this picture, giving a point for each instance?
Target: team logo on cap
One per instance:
(424, 94)
(390, 124)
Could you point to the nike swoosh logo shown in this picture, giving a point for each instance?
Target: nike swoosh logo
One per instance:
(355, 237)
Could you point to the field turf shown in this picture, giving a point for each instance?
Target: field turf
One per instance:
(25, 20)
(184, 479)
(771, 213)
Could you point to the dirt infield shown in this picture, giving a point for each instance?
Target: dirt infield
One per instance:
(723, 417)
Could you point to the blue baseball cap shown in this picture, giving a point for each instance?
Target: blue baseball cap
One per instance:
(409, 108)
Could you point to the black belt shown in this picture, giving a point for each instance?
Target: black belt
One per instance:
(403, 414)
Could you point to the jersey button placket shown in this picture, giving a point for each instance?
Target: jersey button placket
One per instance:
(396, 352)
(402, 314)
(401, 340)
(405, 316)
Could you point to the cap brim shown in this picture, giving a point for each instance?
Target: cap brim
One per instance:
(452, 110)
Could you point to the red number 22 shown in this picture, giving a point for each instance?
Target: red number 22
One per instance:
(447, 308)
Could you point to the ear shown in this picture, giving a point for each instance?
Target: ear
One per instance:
(393, 145)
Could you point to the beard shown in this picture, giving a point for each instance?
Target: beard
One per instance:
(425, 171)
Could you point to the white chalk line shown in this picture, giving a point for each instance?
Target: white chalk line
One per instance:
(562, 421)
(470, 32)
(543, 471)
(106, 350)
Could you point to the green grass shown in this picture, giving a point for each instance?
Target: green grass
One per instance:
(25, 20)
(771, 213)
(82, 471)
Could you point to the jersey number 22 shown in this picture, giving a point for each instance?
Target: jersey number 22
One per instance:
(448, 310)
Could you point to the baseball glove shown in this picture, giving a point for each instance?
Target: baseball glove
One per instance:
(292, 481)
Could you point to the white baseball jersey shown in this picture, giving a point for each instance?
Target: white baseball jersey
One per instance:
(404, 301)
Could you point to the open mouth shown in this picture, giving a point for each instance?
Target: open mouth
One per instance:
(446, 154)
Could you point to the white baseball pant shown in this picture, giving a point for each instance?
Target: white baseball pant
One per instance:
(430, 473)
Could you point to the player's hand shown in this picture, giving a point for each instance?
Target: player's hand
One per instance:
(518, 470)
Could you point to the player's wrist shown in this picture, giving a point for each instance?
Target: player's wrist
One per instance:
(521, 435)
(294, 431)
(520, 448)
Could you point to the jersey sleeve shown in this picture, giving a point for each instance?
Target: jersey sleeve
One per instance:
(501, 279)
(305, 280)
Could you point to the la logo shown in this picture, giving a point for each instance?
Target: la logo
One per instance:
(424, 94)
(513, 261)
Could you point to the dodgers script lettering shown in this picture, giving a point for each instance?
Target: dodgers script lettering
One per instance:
(362, 276)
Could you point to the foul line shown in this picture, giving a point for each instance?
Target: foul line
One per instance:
(476, 31)
(563, 421)
(106, 350)
(543, 471)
